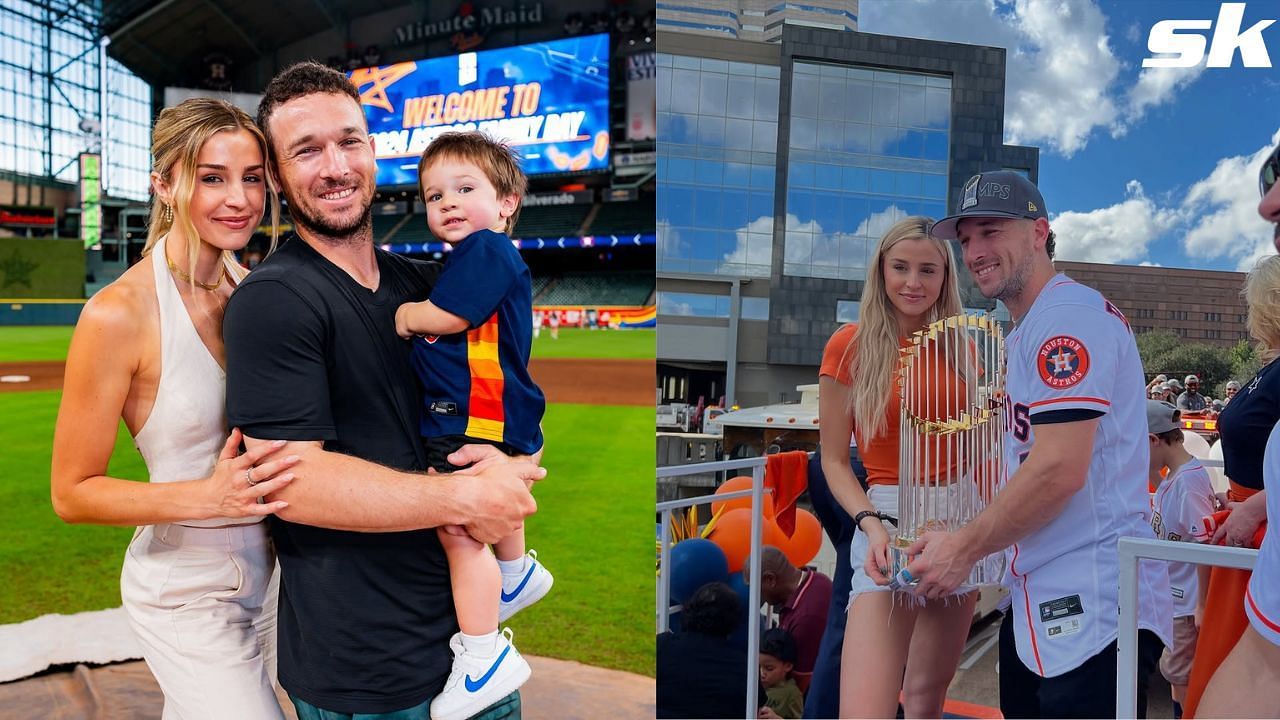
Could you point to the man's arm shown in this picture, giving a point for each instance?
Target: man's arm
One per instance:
(341, 492)
(1037, 493)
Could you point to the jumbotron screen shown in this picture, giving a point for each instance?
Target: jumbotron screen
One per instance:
(549, 100)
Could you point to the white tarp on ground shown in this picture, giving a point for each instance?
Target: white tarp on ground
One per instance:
(98, 637)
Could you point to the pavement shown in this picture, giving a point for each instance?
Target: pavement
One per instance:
(558, 690)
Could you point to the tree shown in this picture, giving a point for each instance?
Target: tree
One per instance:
(1245, 362)
(1153, 347)
(1164, 352)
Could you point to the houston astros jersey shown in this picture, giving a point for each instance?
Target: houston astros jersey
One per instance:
(1182, 502)
(1072, 357)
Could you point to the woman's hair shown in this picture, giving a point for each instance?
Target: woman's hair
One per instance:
(176, 140)
(873, 367)
(1262, 295)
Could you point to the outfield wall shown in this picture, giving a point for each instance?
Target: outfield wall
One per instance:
(41, 268)
(24, 311)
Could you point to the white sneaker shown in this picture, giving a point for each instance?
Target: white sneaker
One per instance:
(521, 590)
(477, 682)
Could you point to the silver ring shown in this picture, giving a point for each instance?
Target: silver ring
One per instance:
(248, 476)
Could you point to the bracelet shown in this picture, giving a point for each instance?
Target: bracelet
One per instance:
(857, 519)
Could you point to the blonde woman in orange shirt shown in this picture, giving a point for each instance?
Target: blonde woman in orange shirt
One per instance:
(893, 641)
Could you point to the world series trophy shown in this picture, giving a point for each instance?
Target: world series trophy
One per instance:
(951, 430)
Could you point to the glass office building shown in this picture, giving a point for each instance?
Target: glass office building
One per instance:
(868, 148)
(780, 166)
(717, 143)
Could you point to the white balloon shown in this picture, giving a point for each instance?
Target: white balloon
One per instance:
(1195, 444)
(1216, 474)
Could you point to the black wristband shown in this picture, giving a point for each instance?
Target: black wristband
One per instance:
(857, 519)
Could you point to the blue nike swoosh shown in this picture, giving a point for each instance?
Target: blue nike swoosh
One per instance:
(524, 581)
(474, 685)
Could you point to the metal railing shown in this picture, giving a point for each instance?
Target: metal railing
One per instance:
(1131, 551)
(756, 494)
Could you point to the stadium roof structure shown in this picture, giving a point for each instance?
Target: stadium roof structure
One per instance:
(161, 41)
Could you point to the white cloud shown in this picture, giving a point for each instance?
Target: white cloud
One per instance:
(1119, 233)
(1133, 33)
(1064, 79)
(754, 245)
(1216, 217)
(1222, 210)
(1155, 87)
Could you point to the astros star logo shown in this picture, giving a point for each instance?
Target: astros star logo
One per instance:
(1062, 361)
(381, 79)
(17, 270)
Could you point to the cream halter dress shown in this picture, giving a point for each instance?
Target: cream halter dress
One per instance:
(200, 594)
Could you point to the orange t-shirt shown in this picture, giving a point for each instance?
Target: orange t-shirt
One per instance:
(880, 456)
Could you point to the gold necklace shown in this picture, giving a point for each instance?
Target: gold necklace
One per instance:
(184, 277)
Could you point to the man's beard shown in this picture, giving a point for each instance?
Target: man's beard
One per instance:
(1015, 282)
(353, 231)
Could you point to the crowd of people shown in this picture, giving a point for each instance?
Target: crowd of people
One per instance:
(1186, 395)
(1074, 381)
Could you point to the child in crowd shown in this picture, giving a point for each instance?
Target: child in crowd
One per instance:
(471, 348)
(777, 657)
(1183, 499)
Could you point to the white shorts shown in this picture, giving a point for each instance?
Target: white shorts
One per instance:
(884, 498)
(202, 602)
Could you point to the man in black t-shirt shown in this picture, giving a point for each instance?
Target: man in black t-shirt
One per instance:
(313, 358)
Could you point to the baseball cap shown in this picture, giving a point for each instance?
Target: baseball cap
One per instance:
(1161, 417)
(1162, 377)
(1191, 379)
(1174, 384)
(1001, 194)
(1233, 385)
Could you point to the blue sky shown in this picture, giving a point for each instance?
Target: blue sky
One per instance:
(1137, 165)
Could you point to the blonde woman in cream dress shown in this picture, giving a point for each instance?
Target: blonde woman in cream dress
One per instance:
(148, 349)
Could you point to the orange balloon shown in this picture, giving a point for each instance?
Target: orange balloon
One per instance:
(733, 534)
(803, 545)
(742, 482)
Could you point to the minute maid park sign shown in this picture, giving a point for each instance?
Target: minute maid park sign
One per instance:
(470, 20)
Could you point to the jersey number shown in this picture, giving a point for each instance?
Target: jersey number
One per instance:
(1019, 421)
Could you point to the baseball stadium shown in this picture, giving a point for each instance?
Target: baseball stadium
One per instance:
(568, 86)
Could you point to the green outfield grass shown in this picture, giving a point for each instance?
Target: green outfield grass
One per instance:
(638, 343)
(592, 530)
(34, 342)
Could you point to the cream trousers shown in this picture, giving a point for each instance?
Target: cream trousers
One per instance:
(202, 602)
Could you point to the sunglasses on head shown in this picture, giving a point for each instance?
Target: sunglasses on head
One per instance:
(1269, 172)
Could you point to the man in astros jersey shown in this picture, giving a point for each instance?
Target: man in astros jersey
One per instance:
(1076, 466)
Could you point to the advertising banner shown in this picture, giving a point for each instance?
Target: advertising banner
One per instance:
(90, 199)
(549, 100)
(642, 89)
